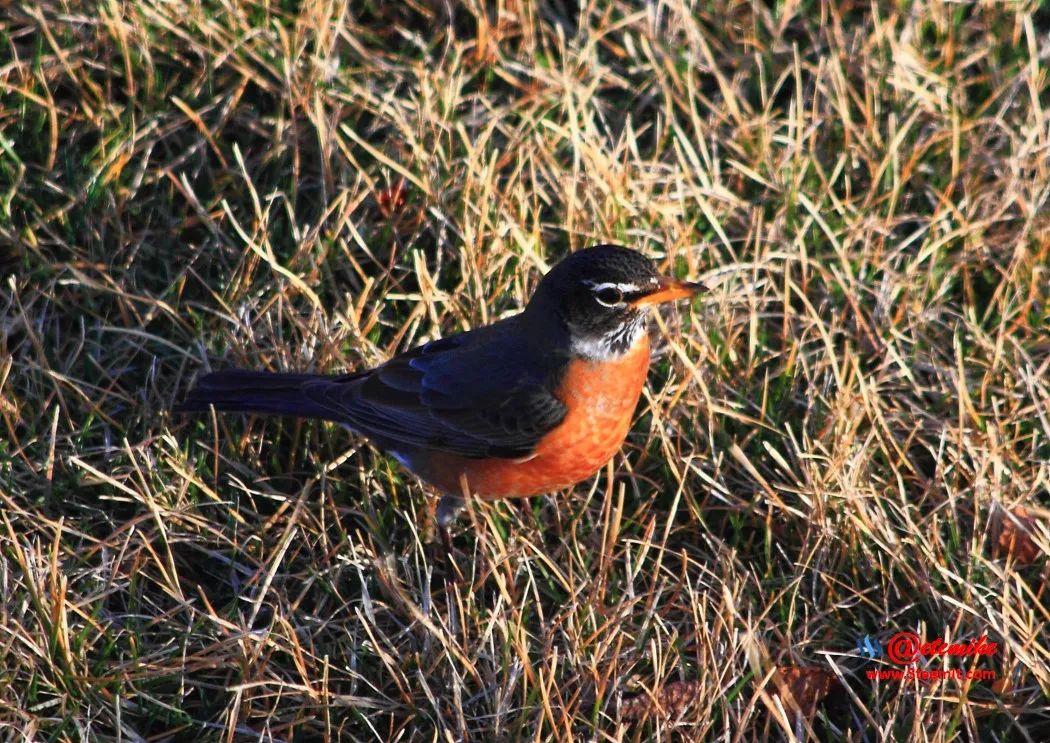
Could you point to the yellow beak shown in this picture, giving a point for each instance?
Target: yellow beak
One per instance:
(668, 290)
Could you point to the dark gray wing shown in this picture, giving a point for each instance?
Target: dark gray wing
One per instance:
(471, 394)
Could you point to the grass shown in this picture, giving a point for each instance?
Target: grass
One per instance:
(833, 443)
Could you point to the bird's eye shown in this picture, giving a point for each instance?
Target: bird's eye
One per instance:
(610, 296)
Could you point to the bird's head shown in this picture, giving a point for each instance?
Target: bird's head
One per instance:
(603, 296)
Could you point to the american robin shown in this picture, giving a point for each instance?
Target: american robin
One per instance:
(528, 405)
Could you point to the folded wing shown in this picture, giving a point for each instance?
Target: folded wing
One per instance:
(472, 394)
(458, 394)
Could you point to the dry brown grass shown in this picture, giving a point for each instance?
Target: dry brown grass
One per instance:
(832, 445)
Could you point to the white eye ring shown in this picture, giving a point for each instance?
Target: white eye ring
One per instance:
(608, 295)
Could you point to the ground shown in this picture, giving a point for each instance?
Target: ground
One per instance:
(846, 439)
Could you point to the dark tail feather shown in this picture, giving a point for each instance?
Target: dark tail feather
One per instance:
(244, 391)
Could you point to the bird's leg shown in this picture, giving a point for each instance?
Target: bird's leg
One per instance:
(448, 508)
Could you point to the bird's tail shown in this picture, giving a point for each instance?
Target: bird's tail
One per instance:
(266, 393)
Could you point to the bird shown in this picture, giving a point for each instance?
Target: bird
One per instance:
(531, 404)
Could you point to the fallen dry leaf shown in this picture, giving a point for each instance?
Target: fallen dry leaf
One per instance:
(1002, 686)
(670, 701)
(392, 199)
(801, 689)
(1015, 539)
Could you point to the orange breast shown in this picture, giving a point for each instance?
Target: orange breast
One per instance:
(601, 398)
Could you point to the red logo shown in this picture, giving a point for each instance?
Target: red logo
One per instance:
(904, 648)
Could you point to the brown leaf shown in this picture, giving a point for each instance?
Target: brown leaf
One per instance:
(1015, 540)
(392, 199)
(1003, 686)
(670, 701)
(801, 689)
